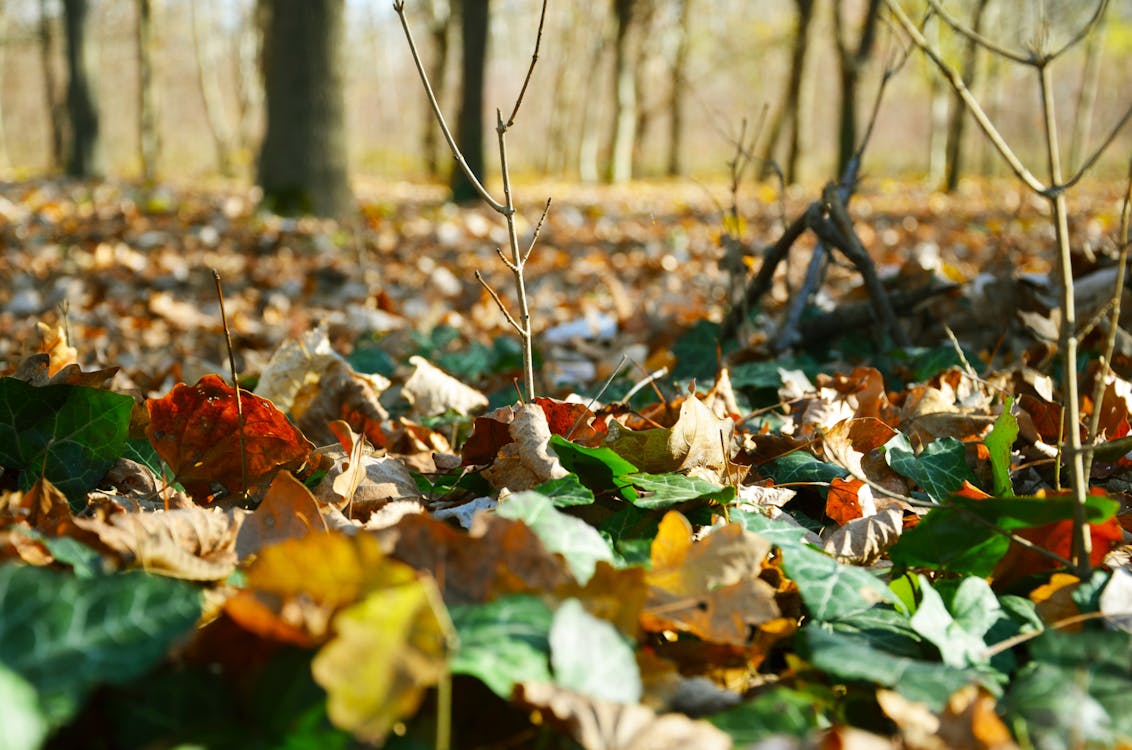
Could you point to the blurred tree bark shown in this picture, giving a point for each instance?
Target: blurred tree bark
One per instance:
(957, 115)
(55, 112)
(474, 18)
(789, 113)
(850, 62)
(302, 160)
(439, 17)
(83, 149)
(625, 51)
(149, 139)
(4, 161)
(678, 88)
(204, 55)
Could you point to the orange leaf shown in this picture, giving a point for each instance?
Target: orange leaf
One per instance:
(841, 503)
(197, 431)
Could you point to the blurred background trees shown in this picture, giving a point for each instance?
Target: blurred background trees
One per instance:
(624, 89)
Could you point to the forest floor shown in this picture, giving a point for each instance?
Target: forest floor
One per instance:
(846, 539)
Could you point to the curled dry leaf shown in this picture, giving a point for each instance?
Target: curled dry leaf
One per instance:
(299, 362)
(698, 444)
(341, 394)
(863, 541)
(527, 461)
(604, 725)
(194, 544)
(432, 391)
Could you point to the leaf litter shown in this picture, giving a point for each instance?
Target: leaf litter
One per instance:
(849, 540)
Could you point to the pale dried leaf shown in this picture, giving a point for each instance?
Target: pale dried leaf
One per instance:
(863, 541)
(527, 461)
(191, 543)
(298, 362)
(603, 725)
(432, 391)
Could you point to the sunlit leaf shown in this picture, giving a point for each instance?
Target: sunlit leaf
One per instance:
(590, 657)
(503, 642)
(999, 442)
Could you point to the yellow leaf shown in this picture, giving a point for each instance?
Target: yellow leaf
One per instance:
(387, 650)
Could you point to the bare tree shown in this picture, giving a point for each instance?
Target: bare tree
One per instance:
(851, 61)
(83, 148)
(204, 56)
(957, 115)
(678, 87)
(439, 18)
(474, 18)
(4, 161)
(149, 141)
(56, 115)
(302, 161)
(625, 51)
(789, 112)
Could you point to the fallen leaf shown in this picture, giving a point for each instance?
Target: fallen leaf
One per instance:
(710, 588)
(698, 444)
(432, 391)
(527, 461)
(386, 651)
(288, 511)
(864, 541)
(198, 432)
(604, 725)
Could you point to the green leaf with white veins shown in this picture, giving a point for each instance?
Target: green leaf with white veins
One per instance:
(940, 469)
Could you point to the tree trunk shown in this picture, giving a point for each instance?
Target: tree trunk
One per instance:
(439, 16)
(789, 114)
(469, 123)
(83, 157)
(302, 161)
(958, 119)
(678, 88)
(149, 140)
(204, 54)
(850, 63)
(624, 93)
(55, 112)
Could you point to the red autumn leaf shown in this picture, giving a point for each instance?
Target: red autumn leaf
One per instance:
(1057, 537)
(196, 430)
(490, 432)
(572, 421)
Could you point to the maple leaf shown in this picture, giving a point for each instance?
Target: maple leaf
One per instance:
(199, 433)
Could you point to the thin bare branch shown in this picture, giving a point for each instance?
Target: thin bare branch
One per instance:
(499, 303)
(1114, 325)
(1083, 32)
(399, 7)
(538, 231)
(1088, 164)
(506, 261)
(985, 42)
(530, 69)
(973, 106)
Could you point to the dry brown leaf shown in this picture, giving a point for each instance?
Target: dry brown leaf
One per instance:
(527, 461)
(288, 511)
(432, 391)
(300, 362)
(191, 543)
(495, 558)
(604, 725)
(710, 588)
(698, 444)
(340, 394)
(968, 721)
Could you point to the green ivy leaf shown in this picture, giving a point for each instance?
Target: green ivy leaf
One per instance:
(22, 724)
(591, 657)
(772, 713)
(68, 433)
(667, 490)
(1074, 692)
(801, 466)
(64, 634)
(503, 642)
(940, 469)
(831, 590)
(581, 544)
(600, 469)
(960, 536)
(848, 658)
(566, 491)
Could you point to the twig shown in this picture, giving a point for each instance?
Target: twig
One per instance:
(530, 68)
(235, 387)
(1017, 640)
(1114, 325)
